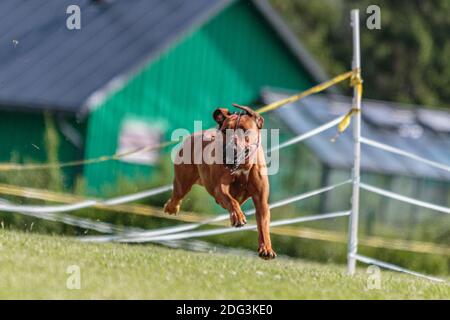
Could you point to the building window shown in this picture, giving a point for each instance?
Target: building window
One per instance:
(136, 134)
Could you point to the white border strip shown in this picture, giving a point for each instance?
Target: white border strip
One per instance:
(222, 217)
(308, 134)
(205, 233)
(48, 209)
(401, 152)
(386, 265)
(84, 223)
(84, 204)
(137, 196)
(404, 198)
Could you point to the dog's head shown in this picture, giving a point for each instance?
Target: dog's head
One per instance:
(241, 133)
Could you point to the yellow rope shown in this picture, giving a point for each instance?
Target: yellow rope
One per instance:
(318, 88)
(18, 167)
(355, 80)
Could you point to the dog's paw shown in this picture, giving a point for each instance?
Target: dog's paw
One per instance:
(266, 253)
(237, 220)
(170, 208)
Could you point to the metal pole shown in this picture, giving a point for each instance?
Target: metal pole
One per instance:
(353, 223)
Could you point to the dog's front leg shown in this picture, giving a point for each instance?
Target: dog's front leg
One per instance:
(265, 250)
(223, 196)
(260, 200)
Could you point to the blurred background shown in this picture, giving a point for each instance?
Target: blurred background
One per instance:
(136, 70)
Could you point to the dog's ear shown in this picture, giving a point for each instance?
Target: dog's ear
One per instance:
(220, 114)
(258, 118)
(259, 121)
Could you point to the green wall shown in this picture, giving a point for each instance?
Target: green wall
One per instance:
(229, 59)
(22, 140)
(21, 136)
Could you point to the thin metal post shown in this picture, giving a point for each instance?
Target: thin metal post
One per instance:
(353, 223)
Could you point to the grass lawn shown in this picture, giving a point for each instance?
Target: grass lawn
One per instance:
(34, 267)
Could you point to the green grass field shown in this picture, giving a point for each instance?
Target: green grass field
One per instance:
(35, 267)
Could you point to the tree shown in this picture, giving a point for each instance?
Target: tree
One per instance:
(407, 60)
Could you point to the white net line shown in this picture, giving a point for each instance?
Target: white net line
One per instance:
(84, 223)
(197, 234)
(406, 199)
(84, 204)
(402, 198)
(404, 153)
(225, 216)
(308, 134)
(394, 267)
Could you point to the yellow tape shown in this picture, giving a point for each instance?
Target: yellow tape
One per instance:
(117, 156)
(52, 196)
(343, 125)
(355, 80)
(318, 88)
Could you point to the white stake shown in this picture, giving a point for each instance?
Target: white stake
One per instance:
(353, 223)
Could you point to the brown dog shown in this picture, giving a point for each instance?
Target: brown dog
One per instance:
(241, 174)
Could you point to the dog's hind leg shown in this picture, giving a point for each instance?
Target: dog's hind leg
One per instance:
(185, 177)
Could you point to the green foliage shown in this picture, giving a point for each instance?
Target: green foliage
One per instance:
(51, 179)
(407, 61)
(52, 146)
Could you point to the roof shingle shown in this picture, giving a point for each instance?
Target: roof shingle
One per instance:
(45, 65)
(382, 121)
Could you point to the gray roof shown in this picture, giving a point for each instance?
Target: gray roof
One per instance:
(406, 128)
(46, 66)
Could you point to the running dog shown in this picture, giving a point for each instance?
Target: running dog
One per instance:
(234, 171)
